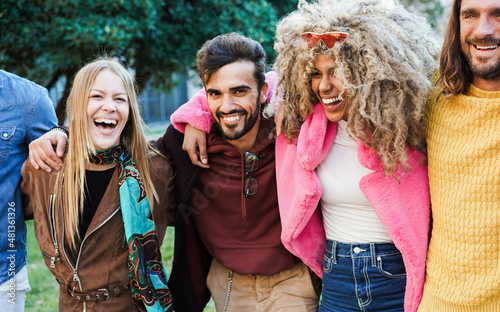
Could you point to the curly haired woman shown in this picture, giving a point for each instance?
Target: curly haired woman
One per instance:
(351, 172)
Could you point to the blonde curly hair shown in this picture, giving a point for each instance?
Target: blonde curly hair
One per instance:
(385, 67)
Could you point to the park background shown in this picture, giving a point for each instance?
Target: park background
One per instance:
(48, 40)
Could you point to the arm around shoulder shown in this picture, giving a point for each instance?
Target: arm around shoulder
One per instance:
(195, 112)
(43, 116)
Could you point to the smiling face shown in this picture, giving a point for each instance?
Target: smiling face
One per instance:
(480, 40)
(328, 89)
(107, 110)
(234, 100)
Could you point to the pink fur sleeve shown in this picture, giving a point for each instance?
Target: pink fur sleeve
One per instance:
(195, 112)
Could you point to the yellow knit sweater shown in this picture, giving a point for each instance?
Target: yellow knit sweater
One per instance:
(463, 263)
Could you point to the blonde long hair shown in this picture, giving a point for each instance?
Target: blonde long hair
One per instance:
(385, 67)
(81, 146)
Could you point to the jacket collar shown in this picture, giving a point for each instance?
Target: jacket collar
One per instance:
(316, 137)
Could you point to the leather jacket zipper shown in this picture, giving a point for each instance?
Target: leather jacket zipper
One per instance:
(53, 233)
(52, 259)
(98, 227)
(76, 278)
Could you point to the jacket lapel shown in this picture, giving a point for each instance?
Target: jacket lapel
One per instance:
(108, 204)
(315, 139)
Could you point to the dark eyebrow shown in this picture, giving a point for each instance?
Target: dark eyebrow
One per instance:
(466, 11)
(212, 91)
(240, 87)
(329, 69)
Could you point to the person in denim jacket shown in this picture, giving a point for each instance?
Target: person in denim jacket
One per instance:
(26, 112)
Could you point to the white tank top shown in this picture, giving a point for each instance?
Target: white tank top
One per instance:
(347, 215)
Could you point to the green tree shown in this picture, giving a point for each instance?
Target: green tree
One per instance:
(45, 40)
(431, 9)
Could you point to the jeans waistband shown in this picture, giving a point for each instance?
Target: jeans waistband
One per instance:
(337, 249)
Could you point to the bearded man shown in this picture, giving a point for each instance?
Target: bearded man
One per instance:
(463, 137)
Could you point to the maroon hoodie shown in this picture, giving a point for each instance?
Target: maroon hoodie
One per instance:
(242, 233)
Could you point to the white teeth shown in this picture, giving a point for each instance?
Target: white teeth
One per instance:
(106, 121)
(231, 118)
(487, 47)
(333, 100)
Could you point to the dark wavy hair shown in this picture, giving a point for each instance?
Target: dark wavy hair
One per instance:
(229, 48)
(455, 75)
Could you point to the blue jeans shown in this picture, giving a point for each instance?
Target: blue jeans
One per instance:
(363, 277)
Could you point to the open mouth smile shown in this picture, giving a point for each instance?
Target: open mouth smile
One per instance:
(105, 123)
(231, 118)
(332, 101)
(490, 47)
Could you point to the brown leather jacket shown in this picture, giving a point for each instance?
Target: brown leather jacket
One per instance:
(97, 274)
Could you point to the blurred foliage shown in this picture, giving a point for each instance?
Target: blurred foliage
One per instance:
(45, 40)
(432, 10)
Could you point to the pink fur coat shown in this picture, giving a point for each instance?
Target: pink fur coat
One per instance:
(403, 208)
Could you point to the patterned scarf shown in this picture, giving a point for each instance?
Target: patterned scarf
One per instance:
(146, 272)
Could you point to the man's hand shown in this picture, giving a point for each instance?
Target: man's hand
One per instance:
(42, 154)
(279, 117)
(195, 144)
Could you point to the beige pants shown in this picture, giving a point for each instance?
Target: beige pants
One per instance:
(289, 290)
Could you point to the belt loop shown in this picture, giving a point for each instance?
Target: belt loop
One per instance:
(373, 254)
(334, 251)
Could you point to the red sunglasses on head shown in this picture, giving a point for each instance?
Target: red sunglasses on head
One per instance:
(328, 38)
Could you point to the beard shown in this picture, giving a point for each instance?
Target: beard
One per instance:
(231, 133)
(480, 66)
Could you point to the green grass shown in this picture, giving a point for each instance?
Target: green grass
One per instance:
(156, 133)
(44, 292)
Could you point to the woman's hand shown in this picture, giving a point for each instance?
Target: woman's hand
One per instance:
(279, 117)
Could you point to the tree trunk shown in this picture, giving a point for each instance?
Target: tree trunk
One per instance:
(141, 80)
(54, 79)
(61, 105)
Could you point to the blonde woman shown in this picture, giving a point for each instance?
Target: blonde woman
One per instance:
(93, 219)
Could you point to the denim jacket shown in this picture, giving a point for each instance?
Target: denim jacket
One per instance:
(26, 112)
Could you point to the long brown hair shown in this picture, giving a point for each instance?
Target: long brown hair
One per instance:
(455, 73)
